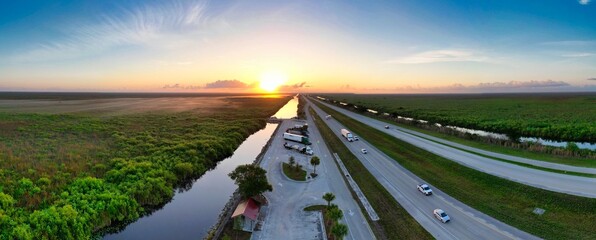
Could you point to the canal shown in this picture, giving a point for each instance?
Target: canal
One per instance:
(192, 213)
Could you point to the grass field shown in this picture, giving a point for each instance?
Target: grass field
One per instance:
(94, 162)
(566, 217)
(560, 116)
(395, 222)
(293, 173)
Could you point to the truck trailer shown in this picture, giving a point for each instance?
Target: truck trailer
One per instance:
(347, 134)
(304, 150)
(296, 138)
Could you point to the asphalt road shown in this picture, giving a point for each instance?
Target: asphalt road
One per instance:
(466, 222)
(284, 217)
(574, 185)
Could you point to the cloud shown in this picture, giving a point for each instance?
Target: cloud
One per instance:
(228, 84)
(593, 79)
(584, 2)
(293, 87)
(487, 87)
(577, 54)
(444, 55)
(570, 43)
(512, 86)
(158, 25)
(179, 86)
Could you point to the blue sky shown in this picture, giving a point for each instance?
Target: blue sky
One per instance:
(356, 46)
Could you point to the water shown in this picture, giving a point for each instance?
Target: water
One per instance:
(289, 110)
(191, 214)
(581, 145)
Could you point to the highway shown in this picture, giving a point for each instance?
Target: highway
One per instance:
(284, 217)
(466, 222)
(574, 185)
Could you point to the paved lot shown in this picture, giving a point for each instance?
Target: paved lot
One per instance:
(466, 223)
(575, 185)
(284, 217)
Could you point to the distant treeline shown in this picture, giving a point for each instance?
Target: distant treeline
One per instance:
(70, 177)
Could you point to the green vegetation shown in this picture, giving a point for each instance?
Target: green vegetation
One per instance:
(552, 112)
(329, 197)
(530, 152)
(331, 216)
(69, 176)
(300, 111)
(251, 180)
(315, 161)
(550, 116)
(566, 217)
(294, 172)
(395, 222)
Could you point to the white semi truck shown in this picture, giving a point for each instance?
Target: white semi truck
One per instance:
(347, 134)
(296, 138)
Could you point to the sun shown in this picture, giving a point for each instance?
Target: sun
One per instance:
(270, 81)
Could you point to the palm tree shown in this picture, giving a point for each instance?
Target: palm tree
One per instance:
(328, 197)
(314, 161)
(292, 161)
(339, 231)
(334, 214)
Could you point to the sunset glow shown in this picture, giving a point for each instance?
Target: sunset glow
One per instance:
(271, 81)
(330, 46)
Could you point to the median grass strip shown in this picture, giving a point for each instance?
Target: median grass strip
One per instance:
(572, 161)
(566, 216)
(517, 163)
(395, 222)
(294, 173)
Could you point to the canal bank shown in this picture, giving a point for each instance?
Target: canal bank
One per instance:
(192, 213)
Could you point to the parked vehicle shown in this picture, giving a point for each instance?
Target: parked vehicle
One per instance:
(297, 138)
(304, 150)
(363, 151)
(441, 215)
(347, 134)
(423, 188)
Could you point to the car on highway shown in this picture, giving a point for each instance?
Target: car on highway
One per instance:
(424, 188)
(386, 126)
(363, 151)
(355, 138)
(441, 215)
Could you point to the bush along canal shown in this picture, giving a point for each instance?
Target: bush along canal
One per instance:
(192, 212)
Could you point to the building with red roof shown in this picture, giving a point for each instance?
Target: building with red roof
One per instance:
(246, 215)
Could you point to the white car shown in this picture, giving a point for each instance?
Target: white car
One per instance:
(441, 215)
(364, 151)
(423, 188)
(356, 138)
(386, 126)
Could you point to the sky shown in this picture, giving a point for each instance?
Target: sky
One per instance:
(400, 46)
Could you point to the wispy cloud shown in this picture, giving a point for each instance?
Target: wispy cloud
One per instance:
(141, 25)
(487, 87)
(233, 85)
(228, 84)
(577, 54)
(570, 43)
(584, 2)
(444, 55)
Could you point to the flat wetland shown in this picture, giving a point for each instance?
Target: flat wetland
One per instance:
(553, 116)
(95, 160)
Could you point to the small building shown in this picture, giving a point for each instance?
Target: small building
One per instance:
(246, 215)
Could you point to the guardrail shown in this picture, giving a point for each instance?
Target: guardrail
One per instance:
(369, 209)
